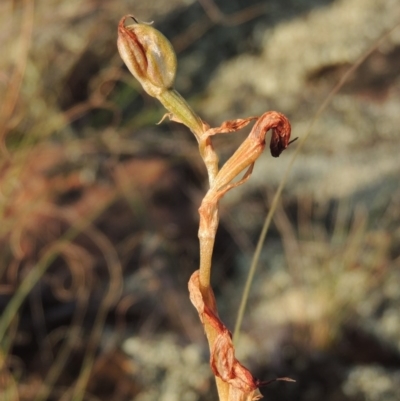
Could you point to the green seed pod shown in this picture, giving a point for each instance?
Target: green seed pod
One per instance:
(148, 54)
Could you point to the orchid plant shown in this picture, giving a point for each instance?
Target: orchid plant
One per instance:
(151, 59)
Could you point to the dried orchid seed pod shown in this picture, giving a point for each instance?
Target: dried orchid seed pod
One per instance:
(148, 54)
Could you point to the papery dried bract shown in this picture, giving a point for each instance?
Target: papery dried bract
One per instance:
(148, 54)
(242, 385)
(230, 126)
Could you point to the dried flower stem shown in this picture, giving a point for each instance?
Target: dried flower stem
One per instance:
(151, 59)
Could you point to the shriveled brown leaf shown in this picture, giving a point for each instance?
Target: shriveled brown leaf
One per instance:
(242, 385)
(230, 126)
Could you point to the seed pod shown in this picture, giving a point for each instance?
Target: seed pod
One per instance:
(148, 54)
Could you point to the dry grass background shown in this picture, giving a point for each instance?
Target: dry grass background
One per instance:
(98, 204)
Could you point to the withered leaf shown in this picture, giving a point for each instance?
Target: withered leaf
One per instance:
(230, 126)
(242, 385)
